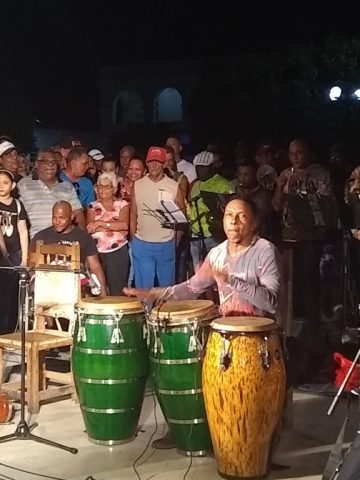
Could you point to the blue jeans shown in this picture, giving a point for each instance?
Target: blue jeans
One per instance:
(198, 249)
(152, 261)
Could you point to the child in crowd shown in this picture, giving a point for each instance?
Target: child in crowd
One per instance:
(13, 221)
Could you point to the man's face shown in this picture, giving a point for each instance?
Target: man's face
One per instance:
(80, 165)
(246, 176)
(175, 144)
(61, 219)
(108, 166)
(298, 154)
(239, 222)
(47, 167)
(155, 168)
(204, 172)
(10, 161)
(125, 157)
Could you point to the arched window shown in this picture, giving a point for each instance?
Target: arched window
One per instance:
(168, 106)
(127, 108)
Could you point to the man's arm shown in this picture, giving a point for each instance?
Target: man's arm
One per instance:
(189, 290)
(95, 267)
(133, 214)
(180, 201)
(278, 198)
(80, 219)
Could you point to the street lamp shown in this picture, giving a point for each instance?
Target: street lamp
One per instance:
(336, 92)
(357, 94)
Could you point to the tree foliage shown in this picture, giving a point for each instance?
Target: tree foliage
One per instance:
(279, 95)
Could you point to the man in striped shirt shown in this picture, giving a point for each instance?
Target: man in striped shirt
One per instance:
(41, 190)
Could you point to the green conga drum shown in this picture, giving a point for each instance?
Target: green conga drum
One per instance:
(110, 366)
(178, 334)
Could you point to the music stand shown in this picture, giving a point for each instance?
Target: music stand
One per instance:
(23, 431)
(174, 217)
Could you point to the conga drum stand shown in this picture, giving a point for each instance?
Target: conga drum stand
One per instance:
(23, 431)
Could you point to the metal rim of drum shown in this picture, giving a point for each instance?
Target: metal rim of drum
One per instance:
(243, 325)
(196, 453)
(182, 313)
(110, 443)
(109, 305)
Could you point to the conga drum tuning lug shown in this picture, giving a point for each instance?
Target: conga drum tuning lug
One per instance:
(265, 354)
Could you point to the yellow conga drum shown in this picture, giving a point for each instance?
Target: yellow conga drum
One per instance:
(244, 391)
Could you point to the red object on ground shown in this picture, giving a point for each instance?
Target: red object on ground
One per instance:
(5, 409)
(340, 373)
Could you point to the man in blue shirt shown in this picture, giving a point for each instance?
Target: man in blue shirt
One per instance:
(77, 163)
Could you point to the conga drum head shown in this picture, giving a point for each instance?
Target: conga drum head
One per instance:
(110, 305)
(243, 324)
(182, 312)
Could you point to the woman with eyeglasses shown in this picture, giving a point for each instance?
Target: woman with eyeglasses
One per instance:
(108, 223)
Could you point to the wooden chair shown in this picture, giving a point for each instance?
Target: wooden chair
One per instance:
(56, 290)
(56, 284)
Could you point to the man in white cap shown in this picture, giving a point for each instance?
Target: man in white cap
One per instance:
(97, 156)
(203, 208)
(95, 161)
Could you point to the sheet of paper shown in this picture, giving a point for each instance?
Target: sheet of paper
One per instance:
(172, 212)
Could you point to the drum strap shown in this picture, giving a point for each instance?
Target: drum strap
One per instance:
(336, 456)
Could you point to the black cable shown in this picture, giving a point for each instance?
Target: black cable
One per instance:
(189, 467)
(6, 477)
(150, 439)
(29, 472)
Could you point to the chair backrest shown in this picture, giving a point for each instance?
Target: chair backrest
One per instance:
(57, 281)
(60, 257)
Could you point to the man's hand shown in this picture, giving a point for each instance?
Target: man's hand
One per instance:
(144, 293)
(208, 272)
(221, 276)
(91, 227)
(356, 234)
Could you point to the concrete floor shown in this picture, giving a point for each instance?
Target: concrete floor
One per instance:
(304, 449)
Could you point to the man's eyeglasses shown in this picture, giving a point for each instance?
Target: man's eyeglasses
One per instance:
(104, 187)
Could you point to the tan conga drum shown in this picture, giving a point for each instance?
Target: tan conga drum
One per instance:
(244, 392)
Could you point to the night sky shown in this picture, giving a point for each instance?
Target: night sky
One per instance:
(53, 49)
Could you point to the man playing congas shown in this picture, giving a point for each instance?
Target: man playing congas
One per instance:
(244, 267)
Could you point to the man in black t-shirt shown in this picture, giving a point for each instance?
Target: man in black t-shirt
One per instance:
(65, 233)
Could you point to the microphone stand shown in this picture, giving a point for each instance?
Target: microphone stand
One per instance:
(23, 431)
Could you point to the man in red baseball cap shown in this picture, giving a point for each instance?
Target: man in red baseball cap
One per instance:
(153, 246)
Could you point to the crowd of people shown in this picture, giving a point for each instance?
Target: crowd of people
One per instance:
(117, 208)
